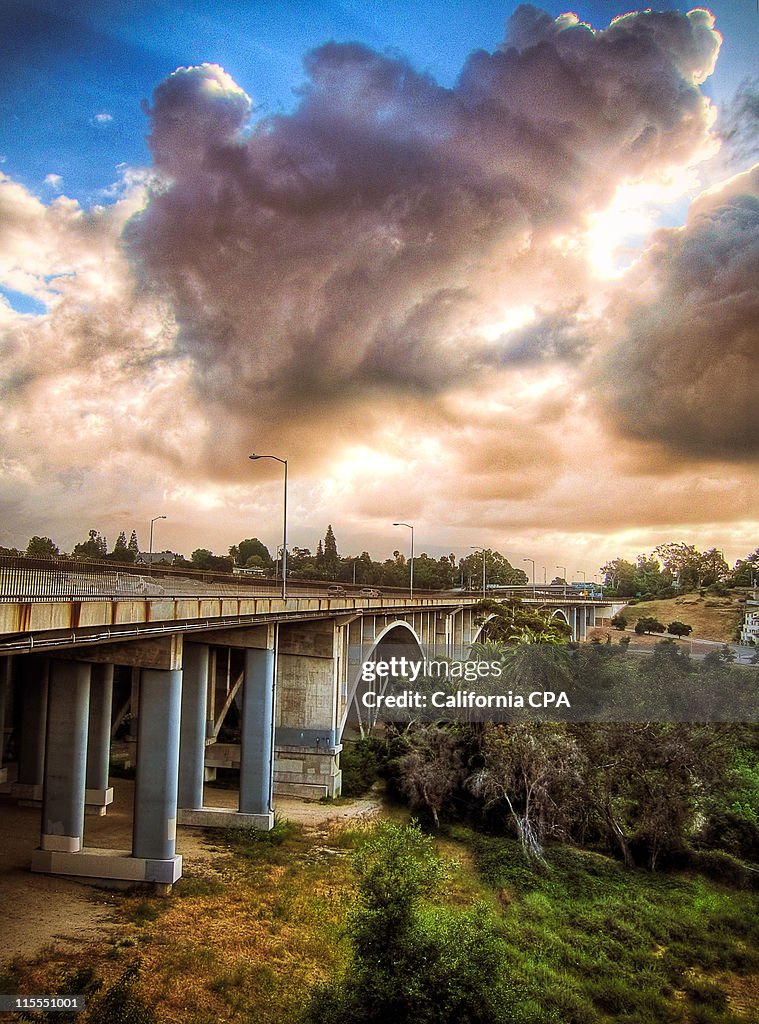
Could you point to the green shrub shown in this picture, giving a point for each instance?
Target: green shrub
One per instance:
(414, 963)
(360, 766)
(724, 867)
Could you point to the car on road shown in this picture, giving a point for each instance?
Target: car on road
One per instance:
(335, 590)
(369, 592)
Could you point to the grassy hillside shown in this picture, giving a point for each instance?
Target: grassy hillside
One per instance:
(712, 618)
(586, 941)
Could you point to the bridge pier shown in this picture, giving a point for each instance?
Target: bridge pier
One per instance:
(98, 793)
(64, 787)
(152, 857)
(155, 795)
(192, 746)
(255, 757)
(31, 757)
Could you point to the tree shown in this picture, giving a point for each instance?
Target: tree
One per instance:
(649, 624)
(133, 546)
(94, 547)
(713, 568)
(620, 577)
(330, 555)
(498, 570)
(433, 769)
(252, 553)
(649, 578)
(746, 571)
(684, 562)
(678, 628)
(202, 558)
(619, 621)
(121, 552)
(41, 547)
(525, 767)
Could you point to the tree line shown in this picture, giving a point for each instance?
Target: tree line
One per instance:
(652, 793)
(669, 569)
(676, 567)
(325, 563)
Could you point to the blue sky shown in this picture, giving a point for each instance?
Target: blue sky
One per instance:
(74, 74)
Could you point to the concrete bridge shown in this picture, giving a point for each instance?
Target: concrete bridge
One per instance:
(83, 650)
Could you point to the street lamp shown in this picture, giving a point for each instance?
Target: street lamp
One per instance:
(484, 588)
(563, 576)
(283, 462)
(533, 573)
(584, 579)
(155, 520)
(411, 576)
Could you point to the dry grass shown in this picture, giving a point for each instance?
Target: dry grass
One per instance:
(712, 618)
(243, 938)
(247, 934)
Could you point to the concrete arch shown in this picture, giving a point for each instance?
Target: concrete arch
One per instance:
(397, 633)
(562, 613)
(481, 629)
(402, 629)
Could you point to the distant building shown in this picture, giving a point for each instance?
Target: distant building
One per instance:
(157, 558)
(750, 627)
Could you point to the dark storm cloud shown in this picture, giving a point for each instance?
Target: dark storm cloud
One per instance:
(685, 368)
(347, 247)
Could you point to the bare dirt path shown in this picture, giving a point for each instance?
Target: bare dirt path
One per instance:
(37, 910)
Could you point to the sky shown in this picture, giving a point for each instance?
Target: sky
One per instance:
(486, 268)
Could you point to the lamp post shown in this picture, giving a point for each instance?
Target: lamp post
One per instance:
(533, 573)
(545, 576)
(584, 578)
(154, 520)
(484, 586)
(282, 462)
(563, 576)
(411, 575)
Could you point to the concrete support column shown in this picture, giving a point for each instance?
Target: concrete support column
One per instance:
(65, 757)
(99, 793)
(256, 734)
(192, 744)
(31, 757)
(6, 667)
(155, 795)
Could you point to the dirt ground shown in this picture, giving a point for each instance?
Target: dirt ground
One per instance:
(37, 910)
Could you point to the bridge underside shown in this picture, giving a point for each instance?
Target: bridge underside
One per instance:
(268, 699)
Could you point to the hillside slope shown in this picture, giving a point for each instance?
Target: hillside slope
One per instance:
(712, 618)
